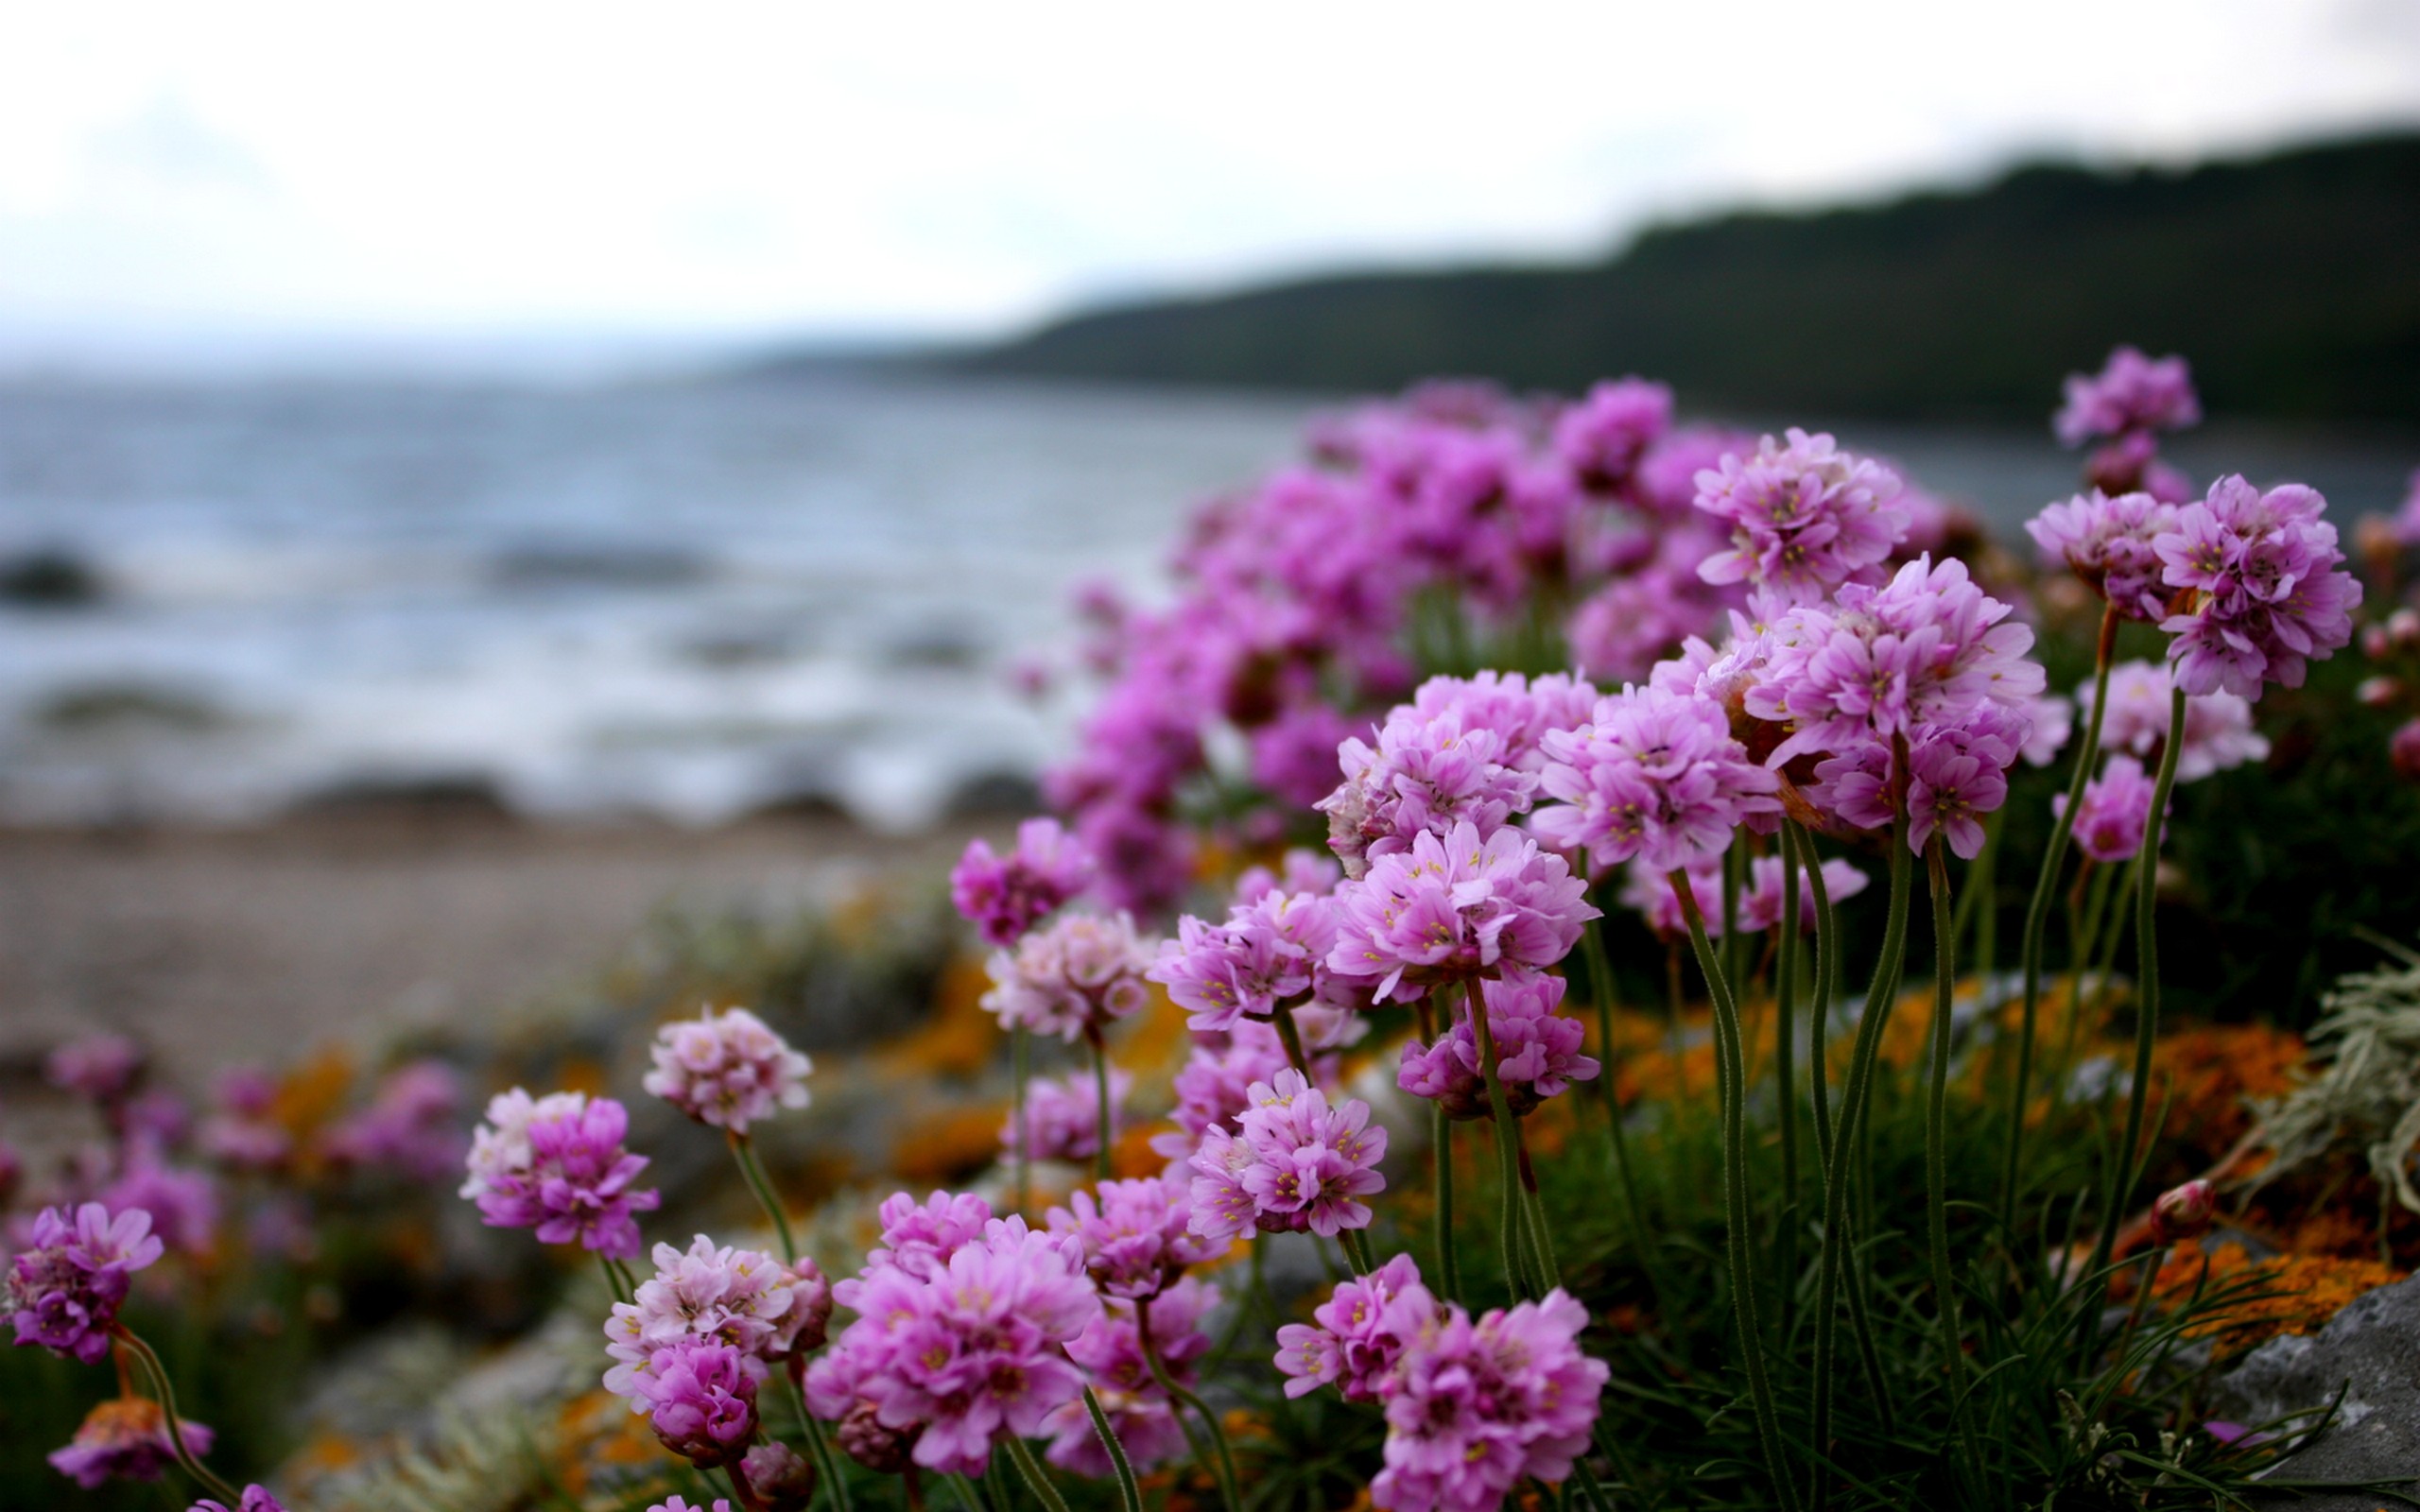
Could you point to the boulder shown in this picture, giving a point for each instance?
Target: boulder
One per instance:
(2371, 1352)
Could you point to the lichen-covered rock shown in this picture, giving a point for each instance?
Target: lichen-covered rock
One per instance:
(2371, 1352)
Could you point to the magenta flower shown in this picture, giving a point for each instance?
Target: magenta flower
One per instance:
(2117, 808)
(1293, 755)
(1355, 1336)
(1428, 775)
(1213, 1086)
(1137, 1236)
(973, 1352)
(2107, 543)
(1602, 436)
(1458, 907)
(727, 1070)
(2404, 529)
(409, 1129)
(1537, 1050)
(2049, 719)
(1080, 973)
(700, 1398)
(1951, 785)
(736, 1297)
(1110, 1350)
(1760, 904)
(1268, 952)
(2217, 726)
(242, 1134)
(1518, 711)
(126, 1438)
(1804, 517)
(1648, 893)
(1063, 1117)
(555, 1164)
(1299, 870)
(64, 1293)
(257, 1499)
(2268, 593)
(1292, 1163)
(1005, 896)
(1619, 631)
(101, 1067)
(919, 1238)
(1654, 776)
(2132, 394)
(181, 1205)
(1472, 1407)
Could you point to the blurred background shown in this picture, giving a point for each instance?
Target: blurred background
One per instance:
(472, 477)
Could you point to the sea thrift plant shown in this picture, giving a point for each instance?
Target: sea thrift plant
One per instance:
(1455, 907)
(741, 1298)
(2107, 543)
(1428, 774)
(2265, 593)
(1005, 896)
(1140, 1411)
(726, 1069)
(2219, 734)
(1291, 1163)
(555, 1164)
(1137, 1236)
(1804, 517)
(2116, 809)
(700, 1397)
(1537, 1050)
(126, 1438)
(63, 1292)
(103, 1068)
(410, 1129)
(1355, 1336)
(1269, 952)
(1654, 776)
(2132, 394)
(1062, 1118)
(1078, 974)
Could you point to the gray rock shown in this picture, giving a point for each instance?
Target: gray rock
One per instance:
(2371, 1352)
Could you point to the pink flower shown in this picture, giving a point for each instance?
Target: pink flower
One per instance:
(1293, 755)
(1648, 893)
(1602, 436)
(1804, 518)
(1139, 1410)
(1518, 711)
(557, 1164)
(1006, 896)
(1458, 907)
(2269, 593)
(2131, 394)
(2107, 543)
(1472, 1407)
(181, 1205)
(1537, 1050)
(1950, 786)
(1760, 904)
(257, 1499)
(1428, 775)
(727, 1070)
(1654, 776)
(1063, 1117)
(736, 1297)
(700, 1398)
(1213, 1086)
(1269, 952)
(2217, 726)
(64, 1292)
(409, 1129)
(1081, 972)
(2116, 809)
(1137, 1236)
(126, 1438)
(1292, 1163)
(1355, 1336)
(2406, 525)
(1299, 870)
(2187, 1211)
(101, 1067)
(920, 1238)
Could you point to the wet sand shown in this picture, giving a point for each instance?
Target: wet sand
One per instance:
(219, 947)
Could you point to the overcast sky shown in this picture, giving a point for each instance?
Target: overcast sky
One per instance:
(951, 168)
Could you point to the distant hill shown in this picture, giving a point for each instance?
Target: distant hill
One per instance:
(2291, 281)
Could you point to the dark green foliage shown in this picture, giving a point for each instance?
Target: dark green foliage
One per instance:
(2290, 281)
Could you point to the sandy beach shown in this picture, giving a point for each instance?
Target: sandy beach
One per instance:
(219, 947)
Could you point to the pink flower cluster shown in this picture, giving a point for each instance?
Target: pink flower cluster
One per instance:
(555, 1164)
(960, 1344)
(126, 1438)
(1074, 976)
(2217, 726)
(1137, 1236)
(1537, 1050)
(1140, 1412)
(1472, 1405)
(702, 1335)
(1455, 907)
(1269, 952)
(1213, 1084)
(1804, 517)
(1654, 776)
(409, 1129)
(727, 1069)
(64, 1293)
(103, 1068)
(1428, 773)
(255, 1499)
(1760, 902)
(2107, 543)
(2267, 591)
(2115, 811)
(2132, 394)
(1293, 1162)
(1005, 896)
(1063, 1117)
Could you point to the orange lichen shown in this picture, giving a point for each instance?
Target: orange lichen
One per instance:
(949, 1144)
(958, 1038)
(2206, 1074)
(2284, 1294)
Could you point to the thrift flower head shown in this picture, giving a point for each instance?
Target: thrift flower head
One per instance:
(1140, 1412)
(1079, 972)
(181, 1205)
(1455, 907)
(1472, 1407)
(1005, 896)
(1654, 776)
(2268, 593)
(409, 1129)
(1537, 1050)
(1214, 1084)
(1648, 893)
(126, 1438)
(2132, 393)
(736, 1297)
(1426, 775)
(1952, 783)
(1268, 951)
(919, 1238)
(2217, 726)
(727, 1070)
(2107, 543)
(1355, 1336)
(242, 1133)
(1063, 1117)
(779, 1476)
(555, 1164)
(2116, 809)
(700, 1398)
(101, 1067)
(1602, 436)
(2187, 1211)
(1761, 904)
(1137, 1236)
(257, 1499)
(1804, 517)
(64, 1292)
(1292, 1163)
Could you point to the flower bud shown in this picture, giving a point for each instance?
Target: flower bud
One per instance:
(2378, 693)
(882, 1450)
(778, 1477)
(2373, 642)
(2185, 1213)
(2403, 627)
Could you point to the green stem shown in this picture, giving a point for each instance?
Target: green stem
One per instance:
(2124, 1160)
(1832, 1254)
(1441, 1156)
(1023, 1459)
(1600, 973)
(162, 1390)
(1944, 949)
(1127, 1489)
(1019, 1070)
(818, 1445)
(1523, 1278)
(2093, 966)
(1730, 1071)
(613, 1280)
(753, 1169)
(968, 1497)
(1292, 1037)
(1223, 1465)
(1826, 976)
(1983, 884)
(1786, 1080)
(1102, 1155)
(2037, 918)
(1735, 863)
